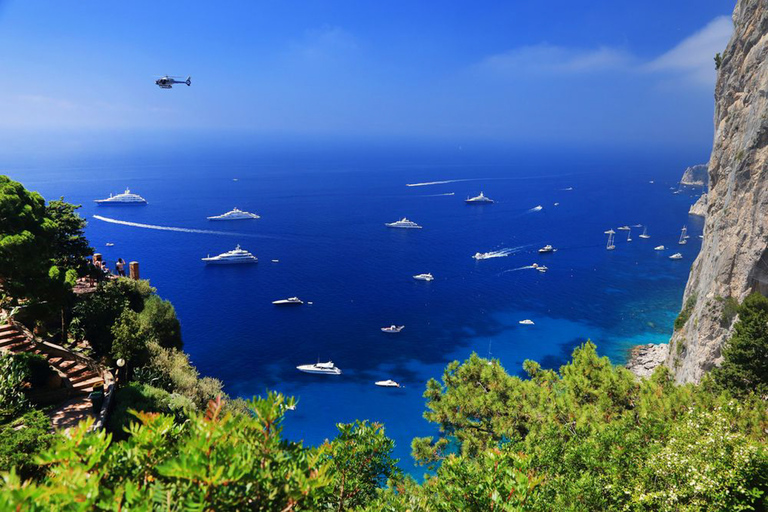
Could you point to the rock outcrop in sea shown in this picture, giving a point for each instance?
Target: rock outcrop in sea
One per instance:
(699, 207)
(696, 176)
(733, 261)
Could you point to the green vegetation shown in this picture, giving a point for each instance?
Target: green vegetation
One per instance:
(745, 355)
(730, 310)
(22, 440)
(718, 60)
(685, 314)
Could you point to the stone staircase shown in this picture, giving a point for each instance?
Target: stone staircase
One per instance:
(80, 376)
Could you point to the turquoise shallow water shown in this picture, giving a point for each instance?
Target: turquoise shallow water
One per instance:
(324, 220)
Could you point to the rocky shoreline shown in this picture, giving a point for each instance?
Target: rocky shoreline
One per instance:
(643, 359)
(699, 208)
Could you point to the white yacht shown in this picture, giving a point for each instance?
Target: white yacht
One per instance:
(526, 322)
(683, 236)
(424, 277)
(290, 301)
(481, 199)
(611, 244)
(235, 214)
(623, 228)
(659, 248)
(387, 383)
(403, 224)
(482, 255)
(125, 198)
(393, 328)
(676, 256)
(109, 244)
(320, 368)
(546, 249)
(645, 233)
(542, 268)
(236, 255)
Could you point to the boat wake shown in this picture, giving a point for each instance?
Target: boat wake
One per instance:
(427, 183)
(171, 228)
(535, 209)
(527, 267)
(439, 195)
(501, 253)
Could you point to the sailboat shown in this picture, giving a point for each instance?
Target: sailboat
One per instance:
(645, 233)
(683, 236)
(629, 235)
(610, 245)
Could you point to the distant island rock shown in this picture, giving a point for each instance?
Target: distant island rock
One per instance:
(699, 208)
(696, 176)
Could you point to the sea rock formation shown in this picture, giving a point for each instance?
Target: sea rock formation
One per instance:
(699, 207)
(734, 255)
(695, 176)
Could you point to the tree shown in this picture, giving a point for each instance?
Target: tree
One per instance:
(158, 319)
(360, 462)
(25, 241)
(70, 248)
(130, 339)
(745, 355)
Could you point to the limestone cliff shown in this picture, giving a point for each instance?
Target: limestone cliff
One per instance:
(699, 208)
(695, 175)
(734, 254)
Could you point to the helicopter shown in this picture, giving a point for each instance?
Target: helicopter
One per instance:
(167, 82)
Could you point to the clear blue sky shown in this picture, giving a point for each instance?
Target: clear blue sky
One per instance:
(600, 72)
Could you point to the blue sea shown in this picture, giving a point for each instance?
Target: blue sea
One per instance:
(323, 218)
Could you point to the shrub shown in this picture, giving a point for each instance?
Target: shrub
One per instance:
(21, 440)
(685, 314)
(730, 310)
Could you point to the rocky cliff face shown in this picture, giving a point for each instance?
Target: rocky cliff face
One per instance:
(734, 255)
(695, 175)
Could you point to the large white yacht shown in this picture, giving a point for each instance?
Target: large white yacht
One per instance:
(676, 256)
(547, 248)
(403, 223)
(320, 368)
(125, 198)
(393, 328)
(235, 214)
(424, 277)
(481, 199)
(291, 301)
(236, 255)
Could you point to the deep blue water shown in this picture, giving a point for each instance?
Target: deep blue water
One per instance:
(324, 221)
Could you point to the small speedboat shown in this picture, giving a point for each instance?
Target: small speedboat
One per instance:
(387, 384)
(393, 328)
(546, 249)
(676, 256)
(320, 368)
(526, 322)
(109, 244)
(424, 277)
(275, 261)
(557, 204)
(623, 228)
(481, 256)
(542, 268)
(659, 248)
(291, 301)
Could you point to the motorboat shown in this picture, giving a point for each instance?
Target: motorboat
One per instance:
(482, 255)
(387, 384)
(526, 322)
(290, 301)
(403, 224)
(623, 228)
(546, 249)
(481, 199)
(320, 368)
(542, 268)
(557, 204)
(109, 244)
(393, 329)
(659, 248)
(424, 277)
(275, 261)
(235, 256)
(676, 256)
(125, 198)
(235, 214)
(645, 233)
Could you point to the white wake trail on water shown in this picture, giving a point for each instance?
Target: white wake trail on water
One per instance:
(439, 195)
(519, 268)
(426, 183)
(171, 228)
(502, 253)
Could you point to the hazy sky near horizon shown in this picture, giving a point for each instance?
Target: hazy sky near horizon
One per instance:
(600, 72)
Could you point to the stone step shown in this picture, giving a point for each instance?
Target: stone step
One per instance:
(87, 385)
(83, 377)
(65, 364)
(11, 340)
(76, 371)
